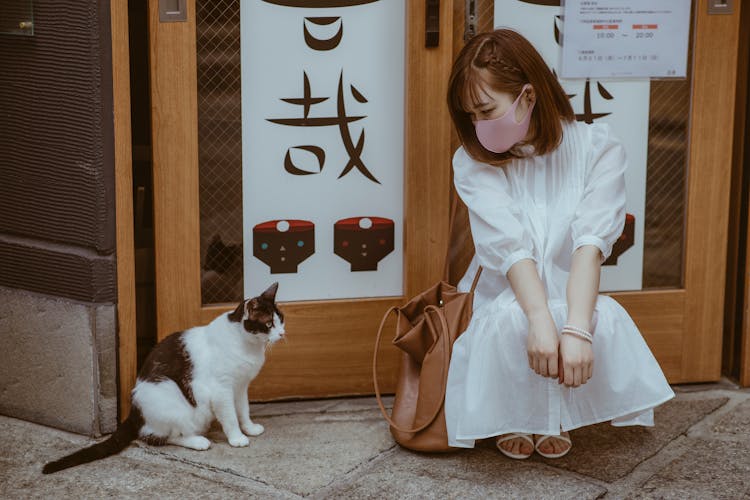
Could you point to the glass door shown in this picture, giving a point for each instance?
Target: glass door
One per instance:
(305, 143)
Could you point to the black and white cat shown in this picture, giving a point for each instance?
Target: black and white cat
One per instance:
(194, 377)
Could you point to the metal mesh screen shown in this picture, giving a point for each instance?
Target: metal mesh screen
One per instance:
(220, 149)
(664, 229)
(666, 176)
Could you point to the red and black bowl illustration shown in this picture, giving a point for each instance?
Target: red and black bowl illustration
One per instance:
(363, 241)
(284, 244)
(625, 241)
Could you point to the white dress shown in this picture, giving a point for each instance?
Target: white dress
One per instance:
(543, 208)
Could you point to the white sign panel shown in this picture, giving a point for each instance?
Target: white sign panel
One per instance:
(624, 105)
(618, 38)
(323, 147)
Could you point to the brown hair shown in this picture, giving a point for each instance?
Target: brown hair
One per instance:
(505, 61)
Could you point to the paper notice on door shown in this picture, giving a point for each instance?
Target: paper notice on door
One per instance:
(625, 39)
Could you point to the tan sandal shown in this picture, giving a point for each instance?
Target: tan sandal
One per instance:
(514, 435)
(553, 455)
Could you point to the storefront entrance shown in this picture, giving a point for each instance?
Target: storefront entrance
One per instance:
(207, 246)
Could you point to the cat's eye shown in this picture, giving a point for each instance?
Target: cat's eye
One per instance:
(269, 324)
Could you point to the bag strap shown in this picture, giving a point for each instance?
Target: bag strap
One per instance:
(476, 279)
(444, 376)
(451, 222)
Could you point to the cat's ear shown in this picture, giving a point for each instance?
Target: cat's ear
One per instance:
(238, 313)
(270, 293)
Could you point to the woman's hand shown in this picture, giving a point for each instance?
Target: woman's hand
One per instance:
(542, 343)
(576, 361)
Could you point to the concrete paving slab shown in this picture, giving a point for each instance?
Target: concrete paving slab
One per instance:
(360, 404)
(290, 407)
(297, 453)
(735, 424)
(709, 469)
(25, 447)
(342, 449)
(609, 453)
(478, 473)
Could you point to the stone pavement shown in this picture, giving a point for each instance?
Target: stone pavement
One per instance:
(341, 448)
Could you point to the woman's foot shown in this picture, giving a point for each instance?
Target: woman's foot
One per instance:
(515, 445)
(553, 446)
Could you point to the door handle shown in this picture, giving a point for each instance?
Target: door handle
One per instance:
(720, 6)
(432, 23)
(172, 11)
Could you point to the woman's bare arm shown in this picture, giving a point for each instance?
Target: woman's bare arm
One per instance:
(542, 342)
(576, 355)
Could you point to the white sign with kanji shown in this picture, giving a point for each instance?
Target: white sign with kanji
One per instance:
(323, 147)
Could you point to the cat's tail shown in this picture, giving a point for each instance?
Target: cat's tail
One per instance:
(125, 434)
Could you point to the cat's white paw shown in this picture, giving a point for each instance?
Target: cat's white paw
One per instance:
(253, 429)
(199, 443)
(239, 441)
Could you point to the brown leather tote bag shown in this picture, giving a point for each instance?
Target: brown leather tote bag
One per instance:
(426, 328)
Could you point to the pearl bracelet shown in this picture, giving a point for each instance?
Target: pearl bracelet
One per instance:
(576, 329)
(578, 332)
(590, 340)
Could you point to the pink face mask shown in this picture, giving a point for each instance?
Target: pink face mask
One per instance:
(500, 134)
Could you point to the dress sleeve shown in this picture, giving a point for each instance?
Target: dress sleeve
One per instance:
(600, 215)
(500, 238)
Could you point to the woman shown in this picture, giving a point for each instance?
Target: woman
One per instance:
(544, 352)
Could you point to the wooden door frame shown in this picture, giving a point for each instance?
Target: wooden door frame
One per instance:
(740, 154)
(125, 246)
(709, 178)
(175, 179)
(684, 327)
(736, 340)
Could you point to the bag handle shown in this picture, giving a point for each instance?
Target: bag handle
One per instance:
(446, 360)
